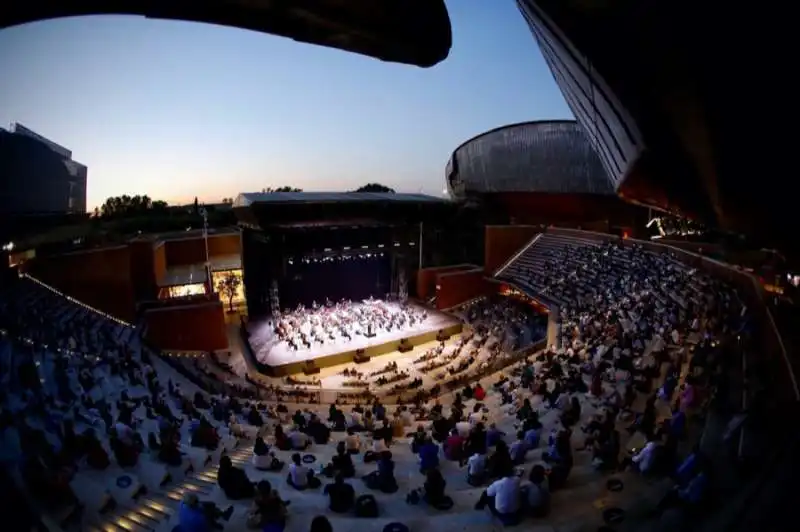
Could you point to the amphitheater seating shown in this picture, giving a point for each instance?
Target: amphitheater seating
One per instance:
(146, 497)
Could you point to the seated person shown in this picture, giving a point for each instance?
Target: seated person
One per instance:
(428, 456)
(434, 489)
(194, 516)
(318, 431)
(342, 496)
(454, 446)
(503, 498)
(536, 495)
(96, 455)
(204, 435)
(499, 462)
(519, 449)
(300, 477)
(352, 442)
(418, 439)
(342, 462)
(169, 452)
(383, 478)
(125, 455)
(263, 459)
(476, 469)
(233, 481)
(282, 441)
(643, 460)
(268, 509)
(298, 439)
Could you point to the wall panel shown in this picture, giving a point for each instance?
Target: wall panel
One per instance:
(503, 241)
(100, 278)
(193, 327)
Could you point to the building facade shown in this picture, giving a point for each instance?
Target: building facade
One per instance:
(39, 176)
(609, 127)
(548, 156)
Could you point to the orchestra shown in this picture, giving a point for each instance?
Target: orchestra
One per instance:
(305, 328)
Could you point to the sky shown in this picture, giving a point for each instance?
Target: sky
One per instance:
(179, 110)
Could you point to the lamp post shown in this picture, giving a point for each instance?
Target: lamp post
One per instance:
(204, 214)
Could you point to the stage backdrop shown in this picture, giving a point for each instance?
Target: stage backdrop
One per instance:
(356, 279)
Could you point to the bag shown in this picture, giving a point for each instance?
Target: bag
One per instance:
(413, 497)
(366, 506)
(445, 504)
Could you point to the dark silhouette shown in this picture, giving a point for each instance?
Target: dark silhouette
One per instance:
(375, 187)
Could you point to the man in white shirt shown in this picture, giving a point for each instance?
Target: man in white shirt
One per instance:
(299, 475)
(352, 442)
(502, 496)
(476, 469)
(299, 440)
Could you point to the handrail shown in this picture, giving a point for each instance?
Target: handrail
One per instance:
(517, 255)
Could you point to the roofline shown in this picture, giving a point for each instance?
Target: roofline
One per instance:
(509, 126)
(345, 197)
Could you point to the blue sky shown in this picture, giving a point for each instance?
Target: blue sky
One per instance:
(177, 110)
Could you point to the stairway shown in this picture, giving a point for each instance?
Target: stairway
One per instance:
(154, 512)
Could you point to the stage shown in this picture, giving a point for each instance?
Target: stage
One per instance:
(282, 359)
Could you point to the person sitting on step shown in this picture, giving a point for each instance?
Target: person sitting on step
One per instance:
(196, 516)
(341, 495)
(300, 477)
(233, 481)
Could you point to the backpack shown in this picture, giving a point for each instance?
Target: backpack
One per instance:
(366, 506)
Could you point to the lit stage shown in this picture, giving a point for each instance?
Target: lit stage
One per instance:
(283, 359)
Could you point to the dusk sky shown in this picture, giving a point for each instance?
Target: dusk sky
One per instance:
(176, 110)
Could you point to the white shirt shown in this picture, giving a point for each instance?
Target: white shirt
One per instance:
(298, 439)
(378, 446)
(299, 475)
(476, 465)
(355, 419)
(506, 494)
(646, 456)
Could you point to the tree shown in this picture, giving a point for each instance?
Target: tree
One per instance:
(375, 187)
(229, 287)
(196, 207)
(126, 206)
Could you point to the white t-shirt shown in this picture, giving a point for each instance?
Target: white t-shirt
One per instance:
(299, 475)
(506, 494)
(476, 465)
(298, 439)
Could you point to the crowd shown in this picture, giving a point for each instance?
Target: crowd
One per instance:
(640, 348)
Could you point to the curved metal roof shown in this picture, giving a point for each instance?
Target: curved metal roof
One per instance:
(246, 199)
(549, 156)
(415, 32)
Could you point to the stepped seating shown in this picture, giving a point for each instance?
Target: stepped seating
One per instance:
(127, 507)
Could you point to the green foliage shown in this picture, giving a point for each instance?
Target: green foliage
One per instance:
(228, 286)
(375, 187)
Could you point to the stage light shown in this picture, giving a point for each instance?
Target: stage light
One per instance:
(9, 247)
(380, 245)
